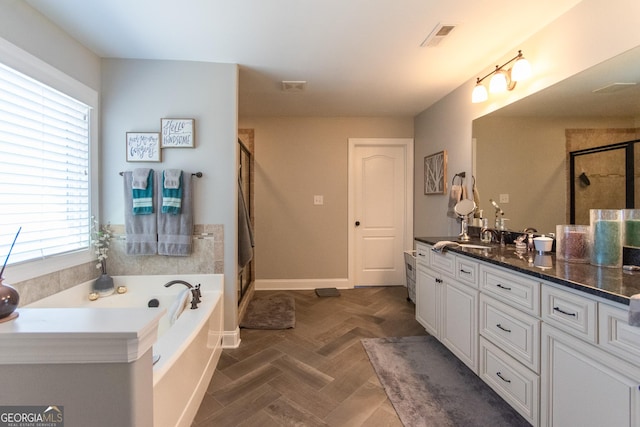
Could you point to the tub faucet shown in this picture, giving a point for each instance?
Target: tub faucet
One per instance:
(195, 292)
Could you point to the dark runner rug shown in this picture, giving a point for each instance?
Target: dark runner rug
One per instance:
(429, 386)
(274, 312)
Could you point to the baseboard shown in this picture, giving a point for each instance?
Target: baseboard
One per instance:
(231, 339)
(301, 284)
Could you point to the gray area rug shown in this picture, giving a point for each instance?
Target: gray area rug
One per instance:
(274, 312)
(429, 386)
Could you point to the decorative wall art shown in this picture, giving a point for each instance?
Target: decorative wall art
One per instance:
(178, 133)
(435, 173)
(143, 147)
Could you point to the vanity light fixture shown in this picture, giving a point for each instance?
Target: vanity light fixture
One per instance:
(502, 79)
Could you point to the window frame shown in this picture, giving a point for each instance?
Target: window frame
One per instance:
(22, 61)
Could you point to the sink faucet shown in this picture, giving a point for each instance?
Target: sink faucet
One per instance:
(496, 236)
(195, 291)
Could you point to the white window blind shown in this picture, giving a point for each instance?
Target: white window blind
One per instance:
(44, 169)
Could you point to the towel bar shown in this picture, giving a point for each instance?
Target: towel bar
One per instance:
(196, 174)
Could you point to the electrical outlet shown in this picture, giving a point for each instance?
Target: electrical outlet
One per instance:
(318, 200)
(504, 198)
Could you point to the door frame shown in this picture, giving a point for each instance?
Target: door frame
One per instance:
(407, 143)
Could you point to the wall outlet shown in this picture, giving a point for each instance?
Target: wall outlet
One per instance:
(504, 198)
(318, 200)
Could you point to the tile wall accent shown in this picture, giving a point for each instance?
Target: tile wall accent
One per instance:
(207, 258)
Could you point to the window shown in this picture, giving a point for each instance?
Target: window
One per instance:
(45, 178)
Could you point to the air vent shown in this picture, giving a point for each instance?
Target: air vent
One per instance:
(294, 85)
(437, 35)
(614, 87)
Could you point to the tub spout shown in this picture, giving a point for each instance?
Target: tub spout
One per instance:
(195, 292)
(182, 282)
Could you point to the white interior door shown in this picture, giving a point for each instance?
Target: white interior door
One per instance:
(381, 207)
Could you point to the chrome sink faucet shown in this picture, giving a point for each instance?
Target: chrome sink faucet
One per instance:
(195, 291)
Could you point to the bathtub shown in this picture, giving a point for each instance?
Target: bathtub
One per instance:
(189, 341)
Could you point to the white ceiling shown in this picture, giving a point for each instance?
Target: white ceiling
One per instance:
(359, 57)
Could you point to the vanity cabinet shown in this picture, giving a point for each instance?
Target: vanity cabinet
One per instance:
(559, 356)
(510, 338)
(447, 301)
(591, 375)
(585, 386)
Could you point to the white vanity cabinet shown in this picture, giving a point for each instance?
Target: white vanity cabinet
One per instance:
(510, 338)
(559, 356)
(590, 366)
(447, 301)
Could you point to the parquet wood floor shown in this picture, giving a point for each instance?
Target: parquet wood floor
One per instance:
(316, 374)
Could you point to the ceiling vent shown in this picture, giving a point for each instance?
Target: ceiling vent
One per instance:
(437, 35)
(294, 85)
(614, 87)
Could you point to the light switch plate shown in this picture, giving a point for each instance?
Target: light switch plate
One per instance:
(504, 198)
(318, 200)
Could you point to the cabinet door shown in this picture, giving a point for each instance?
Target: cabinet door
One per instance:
(428, 288)
(460, 322)
(585, 386)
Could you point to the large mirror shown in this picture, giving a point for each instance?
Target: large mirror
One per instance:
(521, 151)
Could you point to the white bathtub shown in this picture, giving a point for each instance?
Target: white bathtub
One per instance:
(188, 348)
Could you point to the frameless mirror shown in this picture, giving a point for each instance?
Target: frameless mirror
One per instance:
(521, 151)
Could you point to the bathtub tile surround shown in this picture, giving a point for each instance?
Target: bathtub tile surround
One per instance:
(207, 257)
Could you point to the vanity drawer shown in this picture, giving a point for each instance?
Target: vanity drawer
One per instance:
(615, 335)
(570, 312)
(444, 262)
(512, 330)
(423, 254)
(518, 291)
(467, 271)
(512, 381)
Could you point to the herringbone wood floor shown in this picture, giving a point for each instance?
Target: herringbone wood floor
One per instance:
(316, 374)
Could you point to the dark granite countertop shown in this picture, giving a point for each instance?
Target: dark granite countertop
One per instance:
(614, 284)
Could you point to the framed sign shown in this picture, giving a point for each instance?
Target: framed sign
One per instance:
(435, 173)
(143, 147)
(178, 133)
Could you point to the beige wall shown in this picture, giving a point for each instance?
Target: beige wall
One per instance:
(563, 48)
(295, 159)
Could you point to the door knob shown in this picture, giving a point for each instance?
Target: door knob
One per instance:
(357, 223)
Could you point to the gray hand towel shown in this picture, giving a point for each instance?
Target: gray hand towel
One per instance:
(175, 231)
(634, 310)
(141, 230)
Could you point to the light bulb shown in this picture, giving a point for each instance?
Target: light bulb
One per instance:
(521, 70)
(479, 93)
(498, 82)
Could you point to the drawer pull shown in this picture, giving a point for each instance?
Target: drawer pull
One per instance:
(464, 271)
(421, 254)
(566, 313)
(499, 374)
(503, 328)
(438, 280)
(501, 286)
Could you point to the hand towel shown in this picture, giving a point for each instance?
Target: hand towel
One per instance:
(172, 191)
(142, 197)
(178, 305)
(140, 177)
(175, 230)
(245, 232)
(476, 199)
(634, 310)
(141, 230)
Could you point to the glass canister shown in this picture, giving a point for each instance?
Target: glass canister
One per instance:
(632, 228)
(607, 234)
(573, 243)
